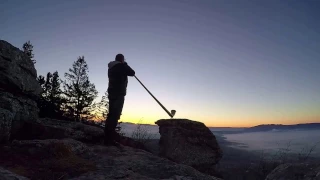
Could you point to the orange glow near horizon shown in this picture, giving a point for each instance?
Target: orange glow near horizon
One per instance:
(235, 123)
(219, 115)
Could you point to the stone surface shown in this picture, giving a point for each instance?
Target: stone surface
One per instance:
(49, 147)
(295, 172)
(18, 90)
(47, 128)
(5, 124)
(7, 175)
(189, 142)
(71, 159)
(50, 159)
(130, 163)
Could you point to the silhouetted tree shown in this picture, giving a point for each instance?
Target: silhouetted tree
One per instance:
(51, 100)
(78, 90)
(28, 50)
(99, 110)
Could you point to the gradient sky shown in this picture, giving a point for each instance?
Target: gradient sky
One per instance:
(222, 62)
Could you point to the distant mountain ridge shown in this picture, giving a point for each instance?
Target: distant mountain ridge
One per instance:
(270, 127)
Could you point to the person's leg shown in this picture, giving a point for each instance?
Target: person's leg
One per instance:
(110, 117)
(119, 106)
(115, 110)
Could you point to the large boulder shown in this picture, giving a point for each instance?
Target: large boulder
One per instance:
(295, 172)
(19, 90)
(189, 142)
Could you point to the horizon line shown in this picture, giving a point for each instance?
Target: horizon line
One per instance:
(232, 126)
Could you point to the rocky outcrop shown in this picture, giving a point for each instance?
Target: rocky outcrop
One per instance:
(71, 159)
(47, 128)
(129, 163)
(49, 147)
(189, 142)
(18, 90)
(46, 159)
(295, 172)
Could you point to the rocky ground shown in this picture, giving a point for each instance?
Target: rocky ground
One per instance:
(69, 155)
(71, 159)
(64, 150)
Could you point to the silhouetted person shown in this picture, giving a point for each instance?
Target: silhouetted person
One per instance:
(118, 73)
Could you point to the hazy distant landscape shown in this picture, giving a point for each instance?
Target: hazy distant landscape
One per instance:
(254, 152)
(258, 138)
(295, 141)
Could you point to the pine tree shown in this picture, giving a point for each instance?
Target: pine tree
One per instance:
(51, 100)
(104, 105)
(42, 102)
(79, 91)
(55, 95)
(28, 50)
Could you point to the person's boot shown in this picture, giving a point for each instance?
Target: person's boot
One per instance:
(111, 143)
(117, 137)
(110, 139)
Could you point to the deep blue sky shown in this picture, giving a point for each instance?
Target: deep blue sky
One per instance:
(225, 63)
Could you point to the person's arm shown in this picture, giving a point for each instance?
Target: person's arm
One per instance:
(128, 70)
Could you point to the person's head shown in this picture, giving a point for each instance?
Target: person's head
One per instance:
(120, 58)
